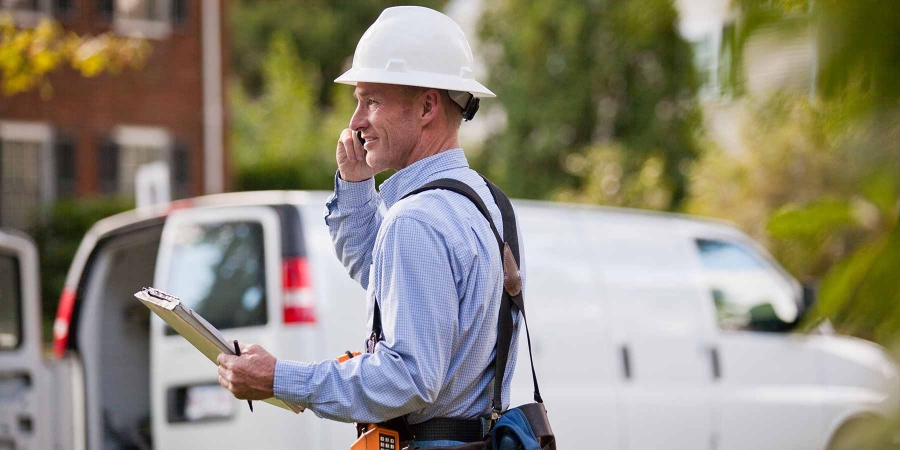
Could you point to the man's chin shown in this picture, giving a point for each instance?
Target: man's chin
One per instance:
(374, 162)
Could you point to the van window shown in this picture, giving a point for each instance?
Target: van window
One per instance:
(218, 269)
(10, 303)
(748, 292)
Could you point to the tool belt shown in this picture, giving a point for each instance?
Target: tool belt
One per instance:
(526, 426)
(442, 429)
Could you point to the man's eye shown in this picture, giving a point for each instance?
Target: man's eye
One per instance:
(370, 102)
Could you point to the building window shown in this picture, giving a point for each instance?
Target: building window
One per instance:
(152, 19)
(20, 5)
(137, 10)
(132, 147)
(26, 13)
(26, 172)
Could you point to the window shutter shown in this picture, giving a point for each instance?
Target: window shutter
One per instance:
(181, 166)
(108, 158)
(106, 8)
(65, 168)
(63, 9)
(179, 12)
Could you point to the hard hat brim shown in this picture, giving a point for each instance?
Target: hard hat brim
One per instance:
(414, 78)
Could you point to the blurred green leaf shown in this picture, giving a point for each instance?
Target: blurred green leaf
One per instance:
(883, 190)
(813, 220)
(862, 294)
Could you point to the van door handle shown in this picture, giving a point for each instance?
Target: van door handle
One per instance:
(716, 365)
(626, 362)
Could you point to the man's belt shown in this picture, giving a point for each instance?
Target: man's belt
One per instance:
(439, 429)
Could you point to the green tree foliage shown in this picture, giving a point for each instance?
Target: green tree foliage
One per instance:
(284, 139)
(27, 56)
(586, 85)
(821, 177)
(791, 158)
(860, 293)
(288, 113)
(323, 32)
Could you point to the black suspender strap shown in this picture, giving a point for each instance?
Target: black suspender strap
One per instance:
(510, 231)
(504, 320)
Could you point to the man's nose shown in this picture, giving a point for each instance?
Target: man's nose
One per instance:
(359, 121)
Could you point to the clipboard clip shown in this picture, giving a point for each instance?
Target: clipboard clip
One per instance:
(161, 295)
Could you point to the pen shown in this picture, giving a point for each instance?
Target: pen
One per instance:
(237, 351)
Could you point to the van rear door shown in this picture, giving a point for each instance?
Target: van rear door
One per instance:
(226, 263)
(25, 411)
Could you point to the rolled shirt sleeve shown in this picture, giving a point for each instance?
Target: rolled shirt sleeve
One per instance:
(417, 292)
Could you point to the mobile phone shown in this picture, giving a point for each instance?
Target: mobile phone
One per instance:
(361, 140)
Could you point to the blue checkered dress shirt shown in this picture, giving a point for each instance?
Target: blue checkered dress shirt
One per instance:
(431, 260)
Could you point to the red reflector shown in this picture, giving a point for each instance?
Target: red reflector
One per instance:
(299, 315)
(297, 295)
(63, 321)
(295, 273)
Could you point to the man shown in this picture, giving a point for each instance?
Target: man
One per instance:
(430, 261)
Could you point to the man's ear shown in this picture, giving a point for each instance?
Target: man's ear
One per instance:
(430, 103)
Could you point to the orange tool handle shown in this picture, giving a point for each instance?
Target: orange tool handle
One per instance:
(346, 356)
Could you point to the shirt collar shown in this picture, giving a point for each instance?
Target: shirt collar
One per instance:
(419, 173)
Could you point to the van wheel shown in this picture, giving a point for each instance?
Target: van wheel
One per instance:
(863, 434)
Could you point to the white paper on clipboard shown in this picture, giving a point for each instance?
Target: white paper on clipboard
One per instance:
(193, 327)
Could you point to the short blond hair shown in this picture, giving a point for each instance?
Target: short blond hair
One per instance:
(452, 111)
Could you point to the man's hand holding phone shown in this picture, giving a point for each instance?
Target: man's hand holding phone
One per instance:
(351, 158)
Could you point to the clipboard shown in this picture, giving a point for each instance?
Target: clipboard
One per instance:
(193, 327)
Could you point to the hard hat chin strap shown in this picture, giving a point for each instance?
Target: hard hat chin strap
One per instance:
(466, 101)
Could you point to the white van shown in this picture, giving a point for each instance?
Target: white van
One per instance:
(649, 330)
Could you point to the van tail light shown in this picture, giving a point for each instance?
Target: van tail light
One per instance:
(62, 324)
(297, 294)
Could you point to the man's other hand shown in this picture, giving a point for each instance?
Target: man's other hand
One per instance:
(250, 376)
(351, 158)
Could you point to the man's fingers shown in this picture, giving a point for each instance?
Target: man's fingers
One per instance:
(226, 360)
(226, 384)
(358, 147)
(345, 146)
(349, 144)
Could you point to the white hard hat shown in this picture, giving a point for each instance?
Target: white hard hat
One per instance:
(415, 46)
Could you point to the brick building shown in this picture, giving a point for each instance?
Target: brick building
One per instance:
(93, 134)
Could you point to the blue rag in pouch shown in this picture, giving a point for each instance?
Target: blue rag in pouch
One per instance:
(513, 431)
